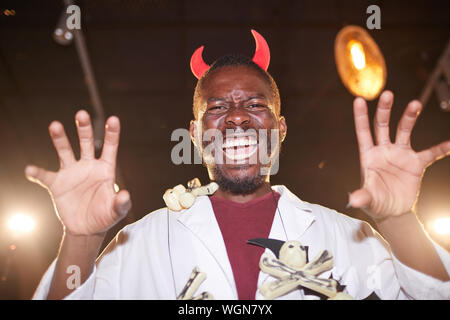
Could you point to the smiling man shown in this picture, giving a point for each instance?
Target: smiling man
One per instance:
(238, 129)
(240, 104)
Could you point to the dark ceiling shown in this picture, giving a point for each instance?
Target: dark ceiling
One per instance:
(140, 53)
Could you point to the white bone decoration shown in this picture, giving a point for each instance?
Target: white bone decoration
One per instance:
(292, 271)
(180, 198)
(195, 280)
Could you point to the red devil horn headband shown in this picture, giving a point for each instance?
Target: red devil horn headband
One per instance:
(261, 56)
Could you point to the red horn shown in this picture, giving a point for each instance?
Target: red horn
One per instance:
(262, 52)
(198, 65)
(261, 56)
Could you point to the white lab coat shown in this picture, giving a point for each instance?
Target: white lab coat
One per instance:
(153, 257)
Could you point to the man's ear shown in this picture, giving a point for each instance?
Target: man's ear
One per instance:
(193, 131)
(196, 138)
(283, 128)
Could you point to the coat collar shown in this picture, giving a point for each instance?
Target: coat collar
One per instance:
(293, 216)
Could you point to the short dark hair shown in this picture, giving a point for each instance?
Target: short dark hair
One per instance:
(237, 60)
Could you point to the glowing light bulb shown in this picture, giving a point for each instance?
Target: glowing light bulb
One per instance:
(357, 53)
(359, 62)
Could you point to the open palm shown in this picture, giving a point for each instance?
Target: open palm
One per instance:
(83, 191)
(391, 172)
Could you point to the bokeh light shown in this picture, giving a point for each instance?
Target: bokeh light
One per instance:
(360, 63)
(21, 223)
(442, 226)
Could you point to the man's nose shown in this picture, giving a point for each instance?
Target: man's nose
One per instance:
(237, 116)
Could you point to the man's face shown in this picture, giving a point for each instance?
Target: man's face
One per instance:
(237, 106)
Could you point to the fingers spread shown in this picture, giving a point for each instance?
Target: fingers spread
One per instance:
(407, 121)
(62, 144)
(40, 176)
(111, 143)
(362, 126)
(85, 134)
(381, 121)
(435, 153)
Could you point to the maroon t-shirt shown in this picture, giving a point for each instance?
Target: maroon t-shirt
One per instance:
(239, 222)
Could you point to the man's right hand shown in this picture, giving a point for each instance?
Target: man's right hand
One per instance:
(83, 191)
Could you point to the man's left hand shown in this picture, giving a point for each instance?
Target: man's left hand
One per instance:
(391, 172)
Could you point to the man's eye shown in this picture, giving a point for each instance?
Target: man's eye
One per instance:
(256, 106)
(215, 109)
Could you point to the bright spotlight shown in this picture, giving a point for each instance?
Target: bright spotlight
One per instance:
(62, 34)
(21, 223)
(442, 226)
(359, 62)
(357, 54)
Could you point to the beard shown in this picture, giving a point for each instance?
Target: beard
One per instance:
(236, 185)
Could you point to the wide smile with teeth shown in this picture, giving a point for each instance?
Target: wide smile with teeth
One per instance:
(239, 148)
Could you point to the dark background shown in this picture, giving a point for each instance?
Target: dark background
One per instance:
(140, 53)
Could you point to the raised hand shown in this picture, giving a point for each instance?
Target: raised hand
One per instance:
(391, 172)
(83, 191)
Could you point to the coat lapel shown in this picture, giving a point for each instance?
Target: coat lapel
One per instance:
(201, 221)
(292, 218)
